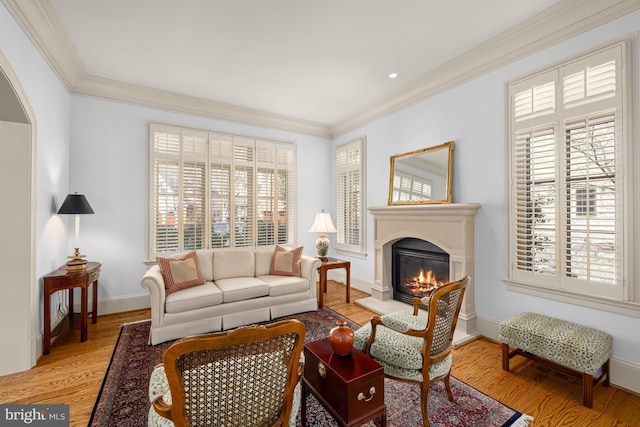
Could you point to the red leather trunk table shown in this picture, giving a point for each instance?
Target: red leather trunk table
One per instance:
(350, 387)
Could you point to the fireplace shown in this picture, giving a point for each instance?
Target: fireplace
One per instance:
(449, 227)
(418, 267)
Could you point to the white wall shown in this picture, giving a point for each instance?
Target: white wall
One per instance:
(109, 154)
(473, 115)
(48, 101)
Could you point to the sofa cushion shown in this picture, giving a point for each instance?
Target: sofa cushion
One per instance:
(263, 261)
(180, 272)
(205, 264)
(286, 262)
(284, 285)
(242, 288)
(233, 263)
(194, 298)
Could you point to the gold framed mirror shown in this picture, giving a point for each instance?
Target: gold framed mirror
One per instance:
(422, 176)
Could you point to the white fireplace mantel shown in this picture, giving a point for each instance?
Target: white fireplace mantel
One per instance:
(449, 226)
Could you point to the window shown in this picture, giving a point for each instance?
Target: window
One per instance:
(350, 217)
(211, 190)
(571, 181)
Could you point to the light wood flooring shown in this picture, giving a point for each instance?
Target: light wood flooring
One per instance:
(73, 373)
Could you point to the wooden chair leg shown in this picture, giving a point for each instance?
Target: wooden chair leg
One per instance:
(447, 386)
(424, 403)
(505, 356)
(605, 369)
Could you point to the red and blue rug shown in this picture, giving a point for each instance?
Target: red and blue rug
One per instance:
(123, 399)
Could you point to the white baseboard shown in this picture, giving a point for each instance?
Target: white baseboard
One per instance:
(340, 275)
(118, 304)
(624, 374)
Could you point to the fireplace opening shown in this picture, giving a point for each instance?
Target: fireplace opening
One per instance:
(417, 268)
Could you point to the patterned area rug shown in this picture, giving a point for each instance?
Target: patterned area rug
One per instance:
(123, 398)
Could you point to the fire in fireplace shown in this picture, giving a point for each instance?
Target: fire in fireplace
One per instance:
(418, 267)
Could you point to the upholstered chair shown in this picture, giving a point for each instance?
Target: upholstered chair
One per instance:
(245, 377)
(417, 347)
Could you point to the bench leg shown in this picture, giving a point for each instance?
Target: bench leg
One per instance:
(587, 390)
(505, 356)
(605, 369)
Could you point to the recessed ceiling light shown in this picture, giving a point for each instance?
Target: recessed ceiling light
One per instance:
(393, 75)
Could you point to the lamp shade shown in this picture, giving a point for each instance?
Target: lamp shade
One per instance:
(75, 204)
(323, 224)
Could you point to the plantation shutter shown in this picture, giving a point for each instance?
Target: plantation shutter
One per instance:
(349, 163)
(194, 179)
(567, 196)
(535, 202)
(243, 192)
(265, 190)
(211, 190)
(165, 189)
(285, 192)
(220, 150)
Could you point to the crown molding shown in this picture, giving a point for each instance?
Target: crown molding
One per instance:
(40, 22)
(120, 91)
(567, 19)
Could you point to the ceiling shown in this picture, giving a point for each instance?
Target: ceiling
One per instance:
(319, 67)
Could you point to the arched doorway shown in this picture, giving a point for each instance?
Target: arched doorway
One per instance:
(19, 301)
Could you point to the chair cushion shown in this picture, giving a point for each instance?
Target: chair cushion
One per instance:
(158, 386)
(391, 347)
(180, 272)
(435, 371)
(400, 355)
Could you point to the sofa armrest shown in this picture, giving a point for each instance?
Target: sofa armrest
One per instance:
(154, 282)
(309, 270)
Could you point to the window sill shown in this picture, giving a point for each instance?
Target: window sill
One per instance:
(626, 308)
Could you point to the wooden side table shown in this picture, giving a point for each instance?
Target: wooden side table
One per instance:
(350, 387)
(327, 265)
(65, 279)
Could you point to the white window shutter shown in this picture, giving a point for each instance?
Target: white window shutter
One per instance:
(349, 164)
(212, 190)
(566, 198)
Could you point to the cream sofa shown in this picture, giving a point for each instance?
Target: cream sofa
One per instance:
(238, 290)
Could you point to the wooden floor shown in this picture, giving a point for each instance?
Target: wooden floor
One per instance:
(73, 373)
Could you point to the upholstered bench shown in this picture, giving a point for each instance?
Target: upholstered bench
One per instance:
(565, 345)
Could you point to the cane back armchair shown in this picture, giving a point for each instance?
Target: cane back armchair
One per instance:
(413, 347)
(245, 377)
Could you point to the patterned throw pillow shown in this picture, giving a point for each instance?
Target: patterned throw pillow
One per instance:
(286, 262)
(180, 273)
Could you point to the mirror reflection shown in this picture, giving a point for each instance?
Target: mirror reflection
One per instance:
(422, 176)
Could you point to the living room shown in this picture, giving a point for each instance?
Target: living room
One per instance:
(86, 139)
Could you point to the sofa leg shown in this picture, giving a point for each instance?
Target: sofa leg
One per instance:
(505, 356)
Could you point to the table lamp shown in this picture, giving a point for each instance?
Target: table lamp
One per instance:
(76, 204)
(322, 224)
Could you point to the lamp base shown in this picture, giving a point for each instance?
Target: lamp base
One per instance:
(77, 261)
(322, 246)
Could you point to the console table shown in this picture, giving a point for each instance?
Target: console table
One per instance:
(62, 279)
(350, 387)
(327, 265)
